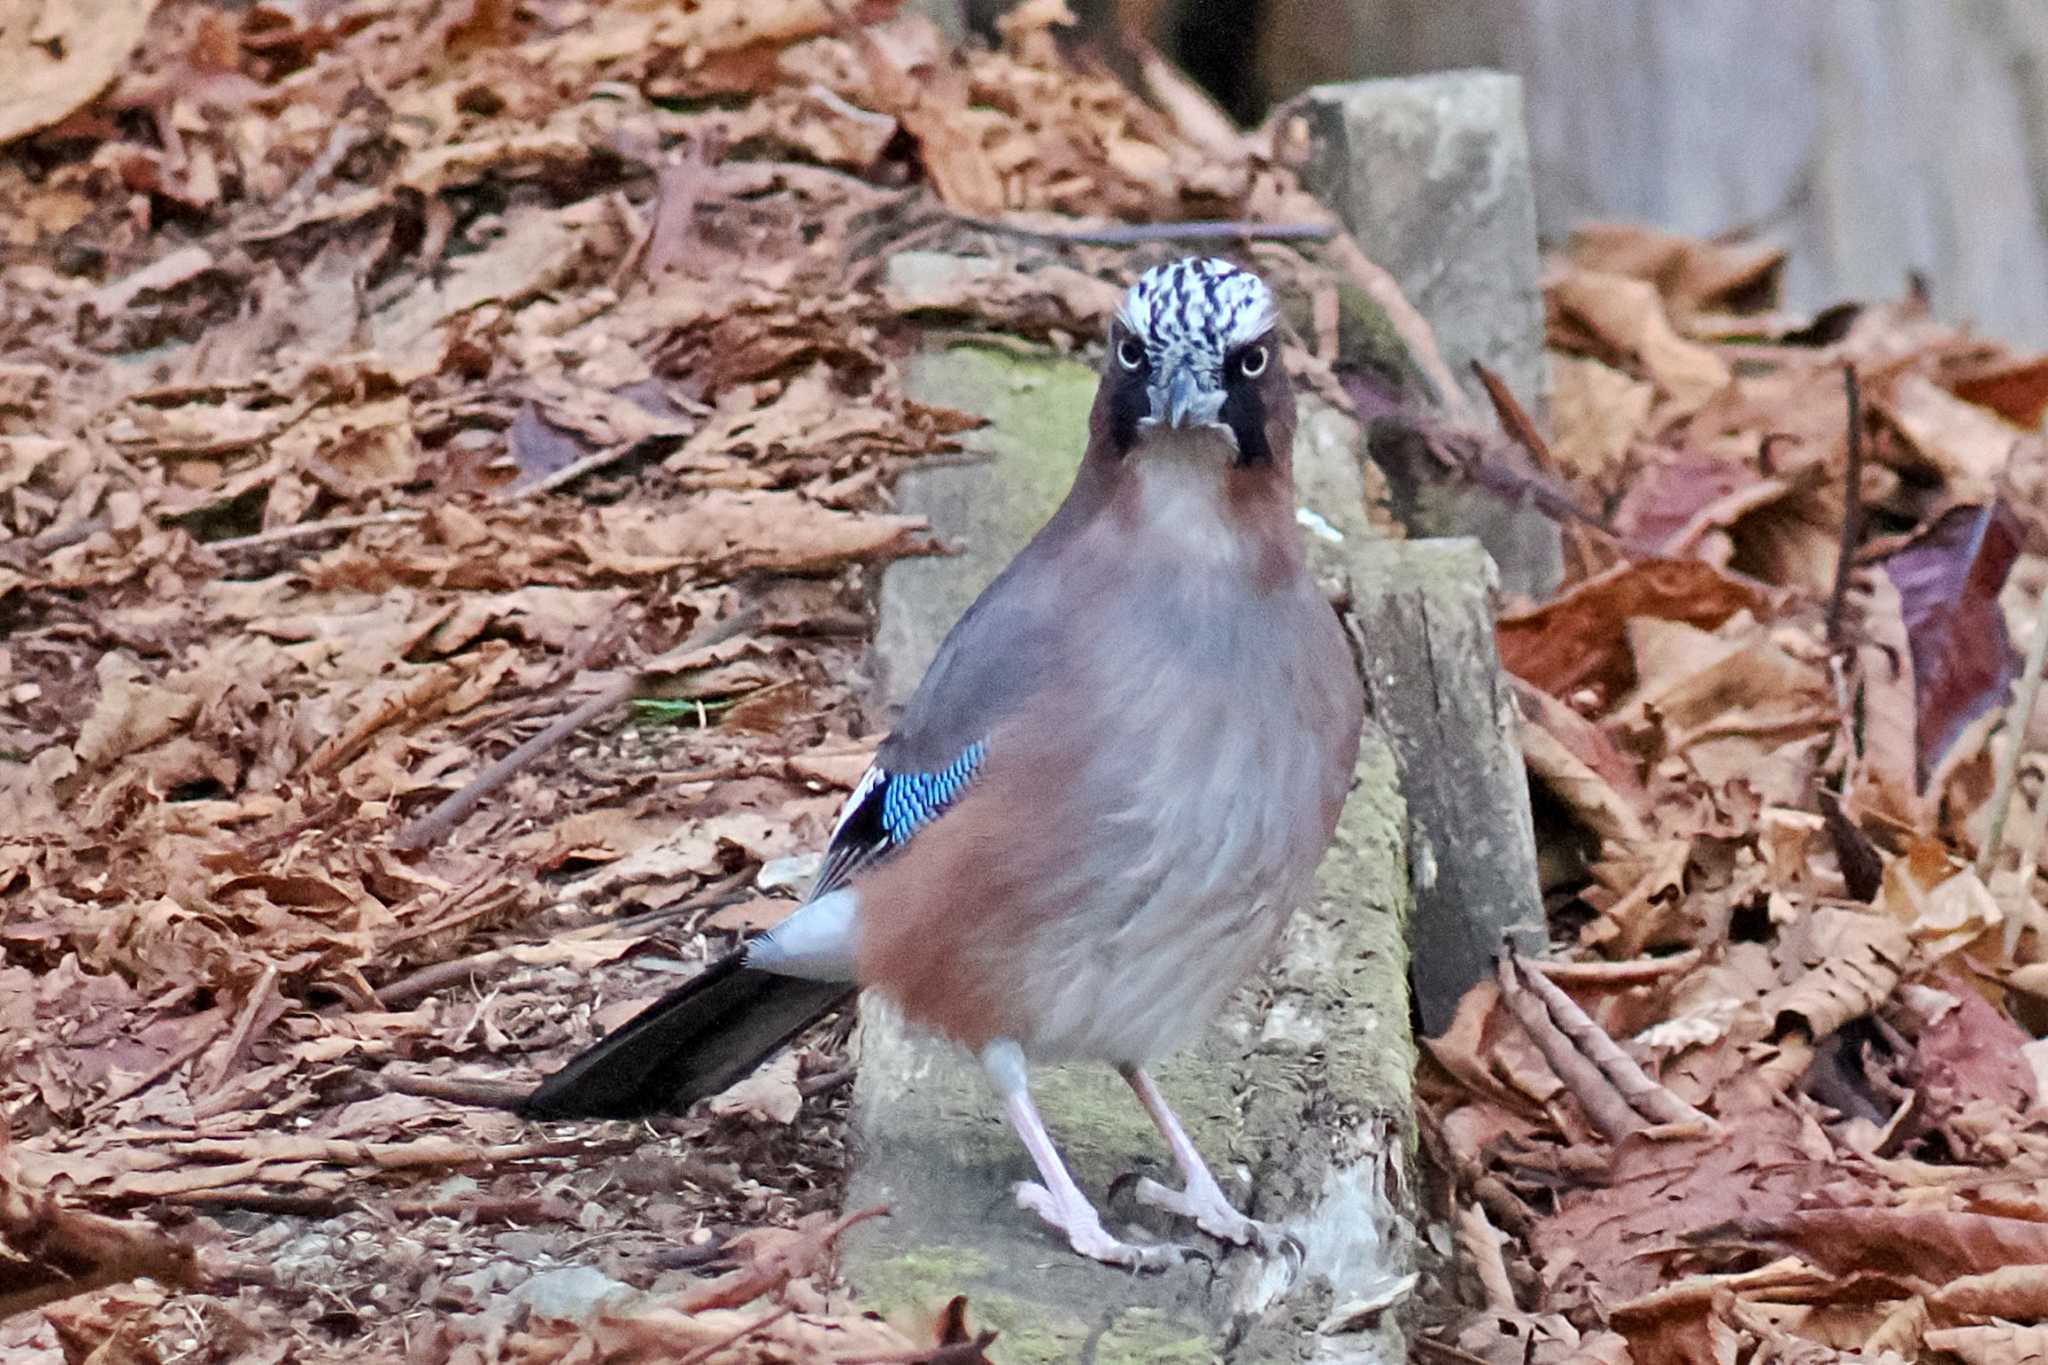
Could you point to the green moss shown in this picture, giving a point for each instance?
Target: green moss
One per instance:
(1031, 1332)
(1146, 1336)
(1367, 340)
(1364, 884)
(1037, 412)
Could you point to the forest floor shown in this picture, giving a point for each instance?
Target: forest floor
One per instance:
(381, 383)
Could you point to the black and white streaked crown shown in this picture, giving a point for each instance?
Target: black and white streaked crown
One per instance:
(1196, 311)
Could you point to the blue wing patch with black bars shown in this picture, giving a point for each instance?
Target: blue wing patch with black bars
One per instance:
(913, 799)
(887, 808)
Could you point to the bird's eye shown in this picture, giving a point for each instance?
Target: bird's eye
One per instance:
(1252, 363)
(1130, 353)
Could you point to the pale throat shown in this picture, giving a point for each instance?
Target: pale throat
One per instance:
(1178, 479)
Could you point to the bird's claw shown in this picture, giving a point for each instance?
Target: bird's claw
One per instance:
(1213, 1214)
(1086, 1235)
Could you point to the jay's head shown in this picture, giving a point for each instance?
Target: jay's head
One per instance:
(1194, 361)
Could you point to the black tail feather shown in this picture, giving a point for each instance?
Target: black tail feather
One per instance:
(695, 1041)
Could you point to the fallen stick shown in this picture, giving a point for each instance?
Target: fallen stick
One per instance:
(455, 808)
(479, 1091)
(413, 987)
(1852, 509)
(281, 534)
(1137, 234)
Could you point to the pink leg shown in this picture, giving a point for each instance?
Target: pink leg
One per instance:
(1059, 1200)
(1199, 1197)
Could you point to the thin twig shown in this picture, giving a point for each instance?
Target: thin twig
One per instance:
(1138, 234)
(517, 1210)
(480, 1091)
(590, 464)
(2024, 912)
(279, 535)
(2016, 721)
(451, 812)
(410, 989)
(1348, 258)
(1852, 509)
(245, 1024)
(710, 1349)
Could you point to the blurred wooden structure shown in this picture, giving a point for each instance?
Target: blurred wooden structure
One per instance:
(1871, 139)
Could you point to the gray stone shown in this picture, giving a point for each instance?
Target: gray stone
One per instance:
(950, 15)
(573, 1293)
(1431, 175)
(1434, 684)
(1311, 1135)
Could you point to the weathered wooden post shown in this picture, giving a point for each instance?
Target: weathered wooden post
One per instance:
(1431, 174)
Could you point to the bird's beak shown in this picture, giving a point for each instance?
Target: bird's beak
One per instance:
(1180, 399)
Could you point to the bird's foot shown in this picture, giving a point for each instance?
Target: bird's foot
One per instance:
(1213, 1214)
(1084, 1232)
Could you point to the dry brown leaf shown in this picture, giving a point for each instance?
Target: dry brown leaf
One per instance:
(2015, 389)
(55, 58)
(1627, 319)
(1599, 413)
(129, 713)
(55, 1252)
(1969, 445)
(2002, 1343)
(1580, 638)
(1852, 962)
(733, 533)
(769, 1095)
(1579, 764)
(1692, 274)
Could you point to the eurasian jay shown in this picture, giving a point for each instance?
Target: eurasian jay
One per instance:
(1105, 797)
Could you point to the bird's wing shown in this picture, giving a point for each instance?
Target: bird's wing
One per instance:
(886, 808)
(1003, 650)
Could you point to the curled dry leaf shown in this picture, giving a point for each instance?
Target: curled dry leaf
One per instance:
(1969, 445)
(1856, 960)
(1580, 639)
(56, 58)
(1626, 319)
(2001, 1343)
(1948, 580)
(1578, 764)
(1692, 274)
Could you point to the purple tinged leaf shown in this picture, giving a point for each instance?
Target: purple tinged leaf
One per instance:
(1949, 579)
(540, 447)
